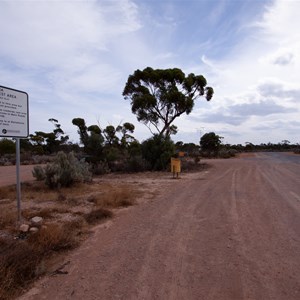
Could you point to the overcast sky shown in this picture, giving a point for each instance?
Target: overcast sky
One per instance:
(73, 58)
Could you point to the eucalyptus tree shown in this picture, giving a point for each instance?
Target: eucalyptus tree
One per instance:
(159, 96)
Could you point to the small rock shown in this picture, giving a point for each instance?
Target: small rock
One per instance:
(33, 230)
(24, 228)
(36, 221)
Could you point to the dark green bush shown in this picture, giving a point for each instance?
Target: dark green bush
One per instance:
(7, 146)
(136, 164)
(157, 151)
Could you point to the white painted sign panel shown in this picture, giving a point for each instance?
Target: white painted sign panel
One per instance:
(14, 116)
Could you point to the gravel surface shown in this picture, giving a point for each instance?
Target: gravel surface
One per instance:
(231, 232)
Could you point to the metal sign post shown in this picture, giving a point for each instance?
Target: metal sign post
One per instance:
(14, 123)
(18, 178)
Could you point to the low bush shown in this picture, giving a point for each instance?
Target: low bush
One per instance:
(100, 168)
(297, 151)
(227, 153)
(64, 171)
(136, 164)
(39, 173)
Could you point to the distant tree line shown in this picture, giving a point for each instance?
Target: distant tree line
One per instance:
(157, 98)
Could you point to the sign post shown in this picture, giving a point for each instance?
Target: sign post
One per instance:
(14, 123)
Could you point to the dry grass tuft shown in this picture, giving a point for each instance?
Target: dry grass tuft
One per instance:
(8, 192)
(122, 197)
(18, 262)
(8, 216)
(53, 237)
(97, 215)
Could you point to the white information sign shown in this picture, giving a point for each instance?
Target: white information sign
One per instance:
(14, 116)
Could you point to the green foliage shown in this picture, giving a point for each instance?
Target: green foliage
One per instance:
(112, 145)
(100, 168)
(66, 170)
(7, 146)
(49, 142)
(94, 146)
(110, 135)
(126, 139)
(157, 151)
(136, 164)
(112, 154)
(134, 149)
(158, 96)
(211, 143)
(92, 139)
(227, 153)
(190, 148)
(82, 130)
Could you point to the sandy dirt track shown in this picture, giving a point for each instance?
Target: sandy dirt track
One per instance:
(8, 174)
(231, 232)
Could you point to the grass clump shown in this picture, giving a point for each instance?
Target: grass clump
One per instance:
(8, 216)
(118, 198)
(97, 215)
(18, 263)
(53, 237)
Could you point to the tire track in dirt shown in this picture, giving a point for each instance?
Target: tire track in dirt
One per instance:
(262, 242)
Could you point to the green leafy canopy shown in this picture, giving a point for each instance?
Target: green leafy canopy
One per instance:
(159, 96)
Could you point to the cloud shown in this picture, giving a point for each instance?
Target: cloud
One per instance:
(239, 113)
(279, 90)
(283, 59)
(262, 108)
(220, 117)
(74, 57)
(68, 50)
(45, 35)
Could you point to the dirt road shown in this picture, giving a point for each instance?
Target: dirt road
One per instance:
(8, 174)
(232, 232)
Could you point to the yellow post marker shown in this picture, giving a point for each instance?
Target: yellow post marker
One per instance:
(181, 154)
(175, 166)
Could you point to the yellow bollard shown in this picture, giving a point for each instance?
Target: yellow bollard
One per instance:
(175, 166)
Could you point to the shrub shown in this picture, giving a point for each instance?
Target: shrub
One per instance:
(157, 151)
(227, 153)
(65, 170)
(100, 168)
(297, 151)
(38, 173)
(136, 164)
(7, 146)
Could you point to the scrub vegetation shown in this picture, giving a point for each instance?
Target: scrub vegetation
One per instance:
(68, 214)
